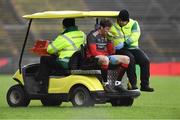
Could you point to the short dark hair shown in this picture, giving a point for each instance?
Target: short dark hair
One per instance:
(105, 23)
(68, 22)
(123, 15)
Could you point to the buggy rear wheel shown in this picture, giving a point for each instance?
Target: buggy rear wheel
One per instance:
(80, 97)
(17, 97)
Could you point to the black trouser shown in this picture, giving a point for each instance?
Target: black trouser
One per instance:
(137, 56)
(48, 64)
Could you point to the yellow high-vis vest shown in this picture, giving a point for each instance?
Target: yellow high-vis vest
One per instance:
(129, 33)
(66, 44)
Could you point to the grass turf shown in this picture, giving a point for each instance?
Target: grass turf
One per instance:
(164, 103)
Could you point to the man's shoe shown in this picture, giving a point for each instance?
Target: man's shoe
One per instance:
(119, 87)
(134, 88)
(108, 87)
(146, 88)
(124, 92)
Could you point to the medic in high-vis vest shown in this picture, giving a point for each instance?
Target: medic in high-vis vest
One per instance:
(60, 50)
(125, 34)
(101, 48)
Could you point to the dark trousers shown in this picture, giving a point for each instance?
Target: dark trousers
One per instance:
(137, 56)
(48, 65)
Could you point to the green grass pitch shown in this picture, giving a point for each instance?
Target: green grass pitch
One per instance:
(164, 103)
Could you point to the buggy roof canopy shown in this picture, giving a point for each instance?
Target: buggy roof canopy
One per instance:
(55, 14)
(71, 14)
(101, 13)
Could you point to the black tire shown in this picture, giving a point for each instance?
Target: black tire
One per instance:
(80, 97)
(122, 102)
(17, 97)
(51, 101)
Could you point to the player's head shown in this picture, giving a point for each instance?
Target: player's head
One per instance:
(105, 26)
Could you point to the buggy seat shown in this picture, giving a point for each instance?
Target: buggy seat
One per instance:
(78, 63)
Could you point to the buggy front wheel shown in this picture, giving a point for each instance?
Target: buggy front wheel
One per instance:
(17, 97)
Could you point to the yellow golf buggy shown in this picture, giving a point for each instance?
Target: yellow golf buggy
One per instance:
(79, 86)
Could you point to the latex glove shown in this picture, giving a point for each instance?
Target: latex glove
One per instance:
(119, 46)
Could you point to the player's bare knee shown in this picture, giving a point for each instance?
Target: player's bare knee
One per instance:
(104, 60)
(126, 59)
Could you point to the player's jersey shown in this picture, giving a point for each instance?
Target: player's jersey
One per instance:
(98, 45)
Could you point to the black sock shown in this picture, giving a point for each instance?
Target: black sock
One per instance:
(121, 72)
(104, 75)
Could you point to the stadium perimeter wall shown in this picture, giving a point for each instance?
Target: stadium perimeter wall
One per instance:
(165, 69)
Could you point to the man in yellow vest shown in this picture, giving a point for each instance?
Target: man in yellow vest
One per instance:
(63, 48)
(126, 33)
